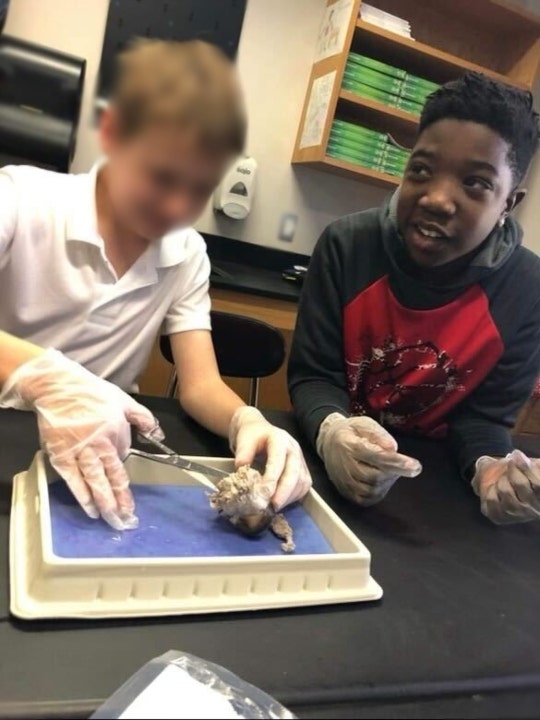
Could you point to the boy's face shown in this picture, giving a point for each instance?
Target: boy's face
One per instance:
(159, 179)
(457, 187)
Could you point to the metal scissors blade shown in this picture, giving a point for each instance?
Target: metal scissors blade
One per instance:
(173, 458)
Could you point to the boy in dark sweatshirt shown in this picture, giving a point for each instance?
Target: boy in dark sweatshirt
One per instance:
(423, 316)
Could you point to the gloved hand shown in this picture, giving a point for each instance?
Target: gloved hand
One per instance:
(508, 488)
(250, 434)
(361, 458)
(83, 424)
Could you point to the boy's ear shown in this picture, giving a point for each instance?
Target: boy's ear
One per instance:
(109, 130)
(514, 199)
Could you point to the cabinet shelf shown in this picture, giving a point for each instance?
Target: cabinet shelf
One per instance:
(355, 172)
(399, 123)
(492, 37)
(417, 57)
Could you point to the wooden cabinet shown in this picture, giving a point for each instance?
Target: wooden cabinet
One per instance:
(279, 313)
(488, 36)
(528, 422)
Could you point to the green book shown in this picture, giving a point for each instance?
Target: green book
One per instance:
(391, 169)
(392, 162)
(375, 156)
(411, 106)
(414, 94)
(355, 60)
(373, 64)
(351, 134)
(393, 142)
(366, 151)
(351, 128)
(366, 155)
(374, 165)
(368, 163)
(345, 131)
(397, 154)
(355, 153)
(355, 160)
(418, 82)
(369, 92)
(373, 78)
(331, 151)
(357, 143)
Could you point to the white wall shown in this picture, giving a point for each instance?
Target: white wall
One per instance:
(274, 60)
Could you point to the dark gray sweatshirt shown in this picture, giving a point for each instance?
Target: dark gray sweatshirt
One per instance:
(420, 351)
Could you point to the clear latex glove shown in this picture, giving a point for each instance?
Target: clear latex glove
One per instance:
(361, 458)
(508, 488)
(84, 426)
(250, 434)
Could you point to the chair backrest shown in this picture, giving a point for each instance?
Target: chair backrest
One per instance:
(244, 347)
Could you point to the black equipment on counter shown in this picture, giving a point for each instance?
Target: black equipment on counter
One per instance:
(40, 102)
(295, 274)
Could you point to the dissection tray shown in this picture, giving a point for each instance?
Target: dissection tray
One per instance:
(183, 559)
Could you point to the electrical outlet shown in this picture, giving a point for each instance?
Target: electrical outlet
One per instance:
(287, 227)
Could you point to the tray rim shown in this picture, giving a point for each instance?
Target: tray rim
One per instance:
(316, 558)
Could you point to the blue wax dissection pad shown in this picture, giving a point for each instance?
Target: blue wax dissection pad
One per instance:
(174, 521)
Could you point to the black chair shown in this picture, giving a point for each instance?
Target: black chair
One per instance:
(245, 348)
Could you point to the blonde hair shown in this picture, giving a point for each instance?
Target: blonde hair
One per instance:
(190, 84)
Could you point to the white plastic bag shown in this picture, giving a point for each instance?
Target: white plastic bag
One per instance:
(179, 685)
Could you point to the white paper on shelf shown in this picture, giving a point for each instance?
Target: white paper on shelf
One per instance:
(389, 26)
(317, 110)
(371, 11)
(175, 694)
(333, 30)
(385, 20)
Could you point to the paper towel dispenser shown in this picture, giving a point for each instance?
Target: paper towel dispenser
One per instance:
(40, 101)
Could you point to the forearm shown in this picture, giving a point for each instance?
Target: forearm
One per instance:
(313, 401)
(472, 436)
(14, 352)
(316, 371)
(212, 404)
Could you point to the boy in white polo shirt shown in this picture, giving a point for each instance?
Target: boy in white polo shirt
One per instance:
(95, 265)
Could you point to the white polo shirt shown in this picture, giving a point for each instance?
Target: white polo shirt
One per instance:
(58, 289)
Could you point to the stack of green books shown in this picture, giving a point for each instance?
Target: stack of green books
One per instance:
(390, 85)
(363, 146)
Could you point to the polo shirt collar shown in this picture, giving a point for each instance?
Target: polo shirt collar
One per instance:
(171, 250)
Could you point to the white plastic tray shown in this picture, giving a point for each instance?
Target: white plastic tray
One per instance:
(44, 585)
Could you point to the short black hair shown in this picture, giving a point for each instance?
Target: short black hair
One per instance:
(506, 110)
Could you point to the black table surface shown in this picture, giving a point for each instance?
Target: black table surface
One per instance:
(456, 634)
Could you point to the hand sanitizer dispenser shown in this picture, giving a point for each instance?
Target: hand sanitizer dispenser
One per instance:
(234, 195)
